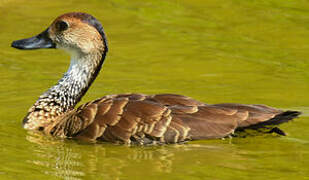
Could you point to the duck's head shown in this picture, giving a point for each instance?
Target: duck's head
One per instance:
(83, 37)
(77, 33)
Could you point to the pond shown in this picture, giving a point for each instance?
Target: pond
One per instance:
(254, 52)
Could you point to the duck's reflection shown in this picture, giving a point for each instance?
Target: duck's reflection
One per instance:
(69, 159)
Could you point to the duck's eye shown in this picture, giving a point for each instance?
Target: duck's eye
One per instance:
(62, 25)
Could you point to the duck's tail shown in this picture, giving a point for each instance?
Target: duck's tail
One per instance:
(270, 126)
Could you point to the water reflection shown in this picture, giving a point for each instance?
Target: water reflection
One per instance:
(56, 157)
(72, 160)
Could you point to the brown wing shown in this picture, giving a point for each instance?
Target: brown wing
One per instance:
(164, 118)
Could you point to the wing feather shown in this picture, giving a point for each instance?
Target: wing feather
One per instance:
(164, 118)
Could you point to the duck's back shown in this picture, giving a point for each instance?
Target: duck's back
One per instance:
(163, 118)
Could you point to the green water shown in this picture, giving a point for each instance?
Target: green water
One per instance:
(215, 51)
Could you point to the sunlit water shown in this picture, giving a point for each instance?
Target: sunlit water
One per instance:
(215, 51)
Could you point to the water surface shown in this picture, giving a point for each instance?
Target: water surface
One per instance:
(215, 51)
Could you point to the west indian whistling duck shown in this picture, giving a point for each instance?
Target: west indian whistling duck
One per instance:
(127, 118)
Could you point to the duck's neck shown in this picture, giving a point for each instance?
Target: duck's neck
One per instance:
(75, 82)
(67, 92)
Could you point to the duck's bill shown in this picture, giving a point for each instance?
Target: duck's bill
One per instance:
(37, 42)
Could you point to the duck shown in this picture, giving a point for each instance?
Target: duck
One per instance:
(131, 118)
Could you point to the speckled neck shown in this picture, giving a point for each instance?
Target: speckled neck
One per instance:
(74, 84)
(67, 92)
